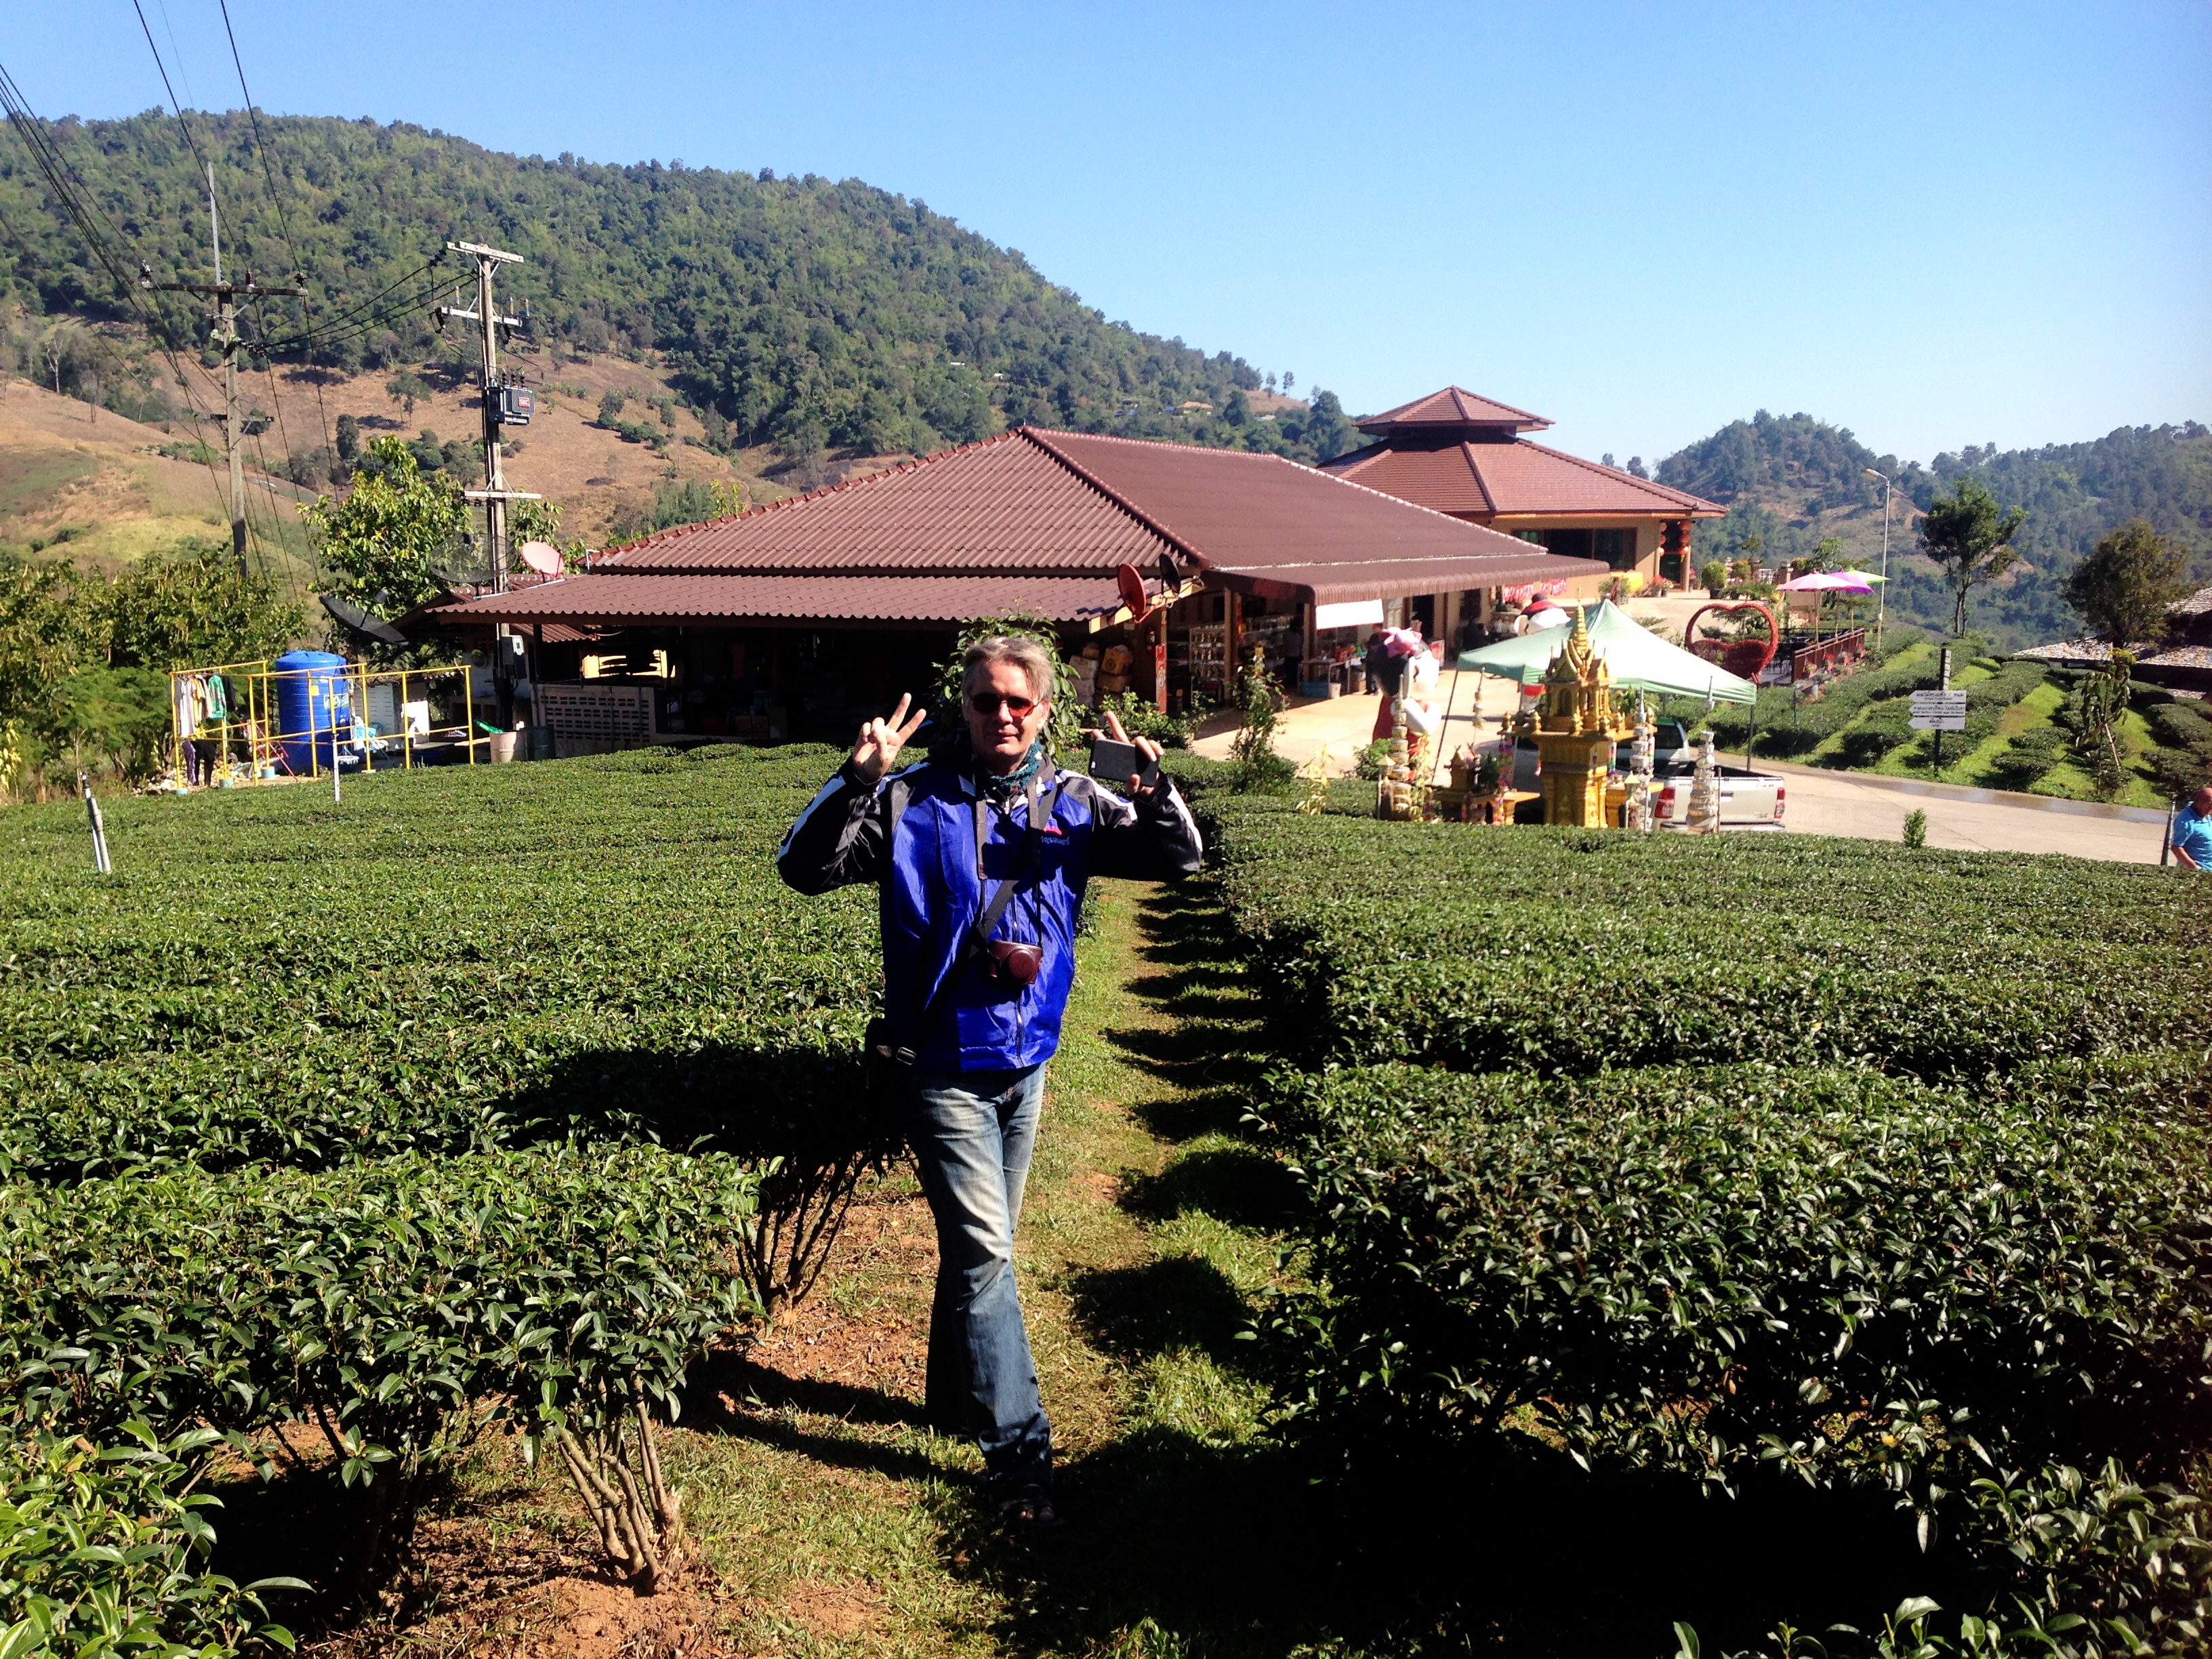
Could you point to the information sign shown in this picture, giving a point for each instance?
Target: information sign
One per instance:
(1938, 711)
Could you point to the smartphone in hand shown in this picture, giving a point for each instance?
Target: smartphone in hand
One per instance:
(1116, 764)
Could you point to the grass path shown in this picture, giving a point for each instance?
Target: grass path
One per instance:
(831, 1521)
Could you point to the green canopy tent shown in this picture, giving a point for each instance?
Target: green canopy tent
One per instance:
(1638, 659)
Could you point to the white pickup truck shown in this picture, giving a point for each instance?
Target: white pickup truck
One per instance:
(1749, 800)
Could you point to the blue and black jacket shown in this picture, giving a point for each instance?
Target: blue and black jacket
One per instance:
(914, 833)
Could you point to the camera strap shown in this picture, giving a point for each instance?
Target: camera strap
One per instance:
(973, 938)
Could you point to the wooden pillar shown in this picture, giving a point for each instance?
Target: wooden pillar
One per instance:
(1159, 633)
(1306, 618)
(1232, 632)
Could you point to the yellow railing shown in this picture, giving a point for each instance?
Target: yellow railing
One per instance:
(250, 732)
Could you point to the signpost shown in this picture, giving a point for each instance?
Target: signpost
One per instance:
(1938, 711)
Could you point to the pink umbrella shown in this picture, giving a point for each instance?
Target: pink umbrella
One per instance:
(1824, 582)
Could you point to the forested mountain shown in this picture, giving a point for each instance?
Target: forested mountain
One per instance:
(800, 312)
(1789, 481)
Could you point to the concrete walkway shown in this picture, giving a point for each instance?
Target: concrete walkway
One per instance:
(1819, 802)
(1345, 725)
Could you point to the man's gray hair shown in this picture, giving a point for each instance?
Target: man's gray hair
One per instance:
(1034, 660)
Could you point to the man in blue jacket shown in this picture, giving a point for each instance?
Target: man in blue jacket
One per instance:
(987, 833)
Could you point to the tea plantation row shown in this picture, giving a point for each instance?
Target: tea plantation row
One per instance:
(478, 1101)
(1761, 1160)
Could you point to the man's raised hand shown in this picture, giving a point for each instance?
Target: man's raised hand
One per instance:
(880, 741)
(1148, 753)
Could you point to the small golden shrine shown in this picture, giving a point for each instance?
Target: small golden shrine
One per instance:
(1576, 727)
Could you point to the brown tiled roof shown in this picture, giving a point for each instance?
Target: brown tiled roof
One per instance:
(1002, 504)
(1230, 508)
(1038, 520)
(1452, 408)
(1510, 479)
(644, 597)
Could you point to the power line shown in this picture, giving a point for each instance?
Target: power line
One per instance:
(191, 143)
(284, 224)
(53, 167)
(351, 322)
(208, 170)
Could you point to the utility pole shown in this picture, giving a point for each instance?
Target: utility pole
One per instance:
(494, 494)
(225, 336)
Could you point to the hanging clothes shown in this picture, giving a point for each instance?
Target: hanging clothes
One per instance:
(217, 698)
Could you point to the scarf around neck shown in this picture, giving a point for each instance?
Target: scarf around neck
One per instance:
(1003, 787)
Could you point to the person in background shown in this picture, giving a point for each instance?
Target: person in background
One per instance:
(940, 839)
(2191, 839)
(1386, 663)
(1378, 653)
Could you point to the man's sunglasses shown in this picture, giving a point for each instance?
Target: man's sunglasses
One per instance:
(989, 702)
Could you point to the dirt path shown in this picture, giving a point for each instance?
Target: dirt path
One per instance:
(831, 1521)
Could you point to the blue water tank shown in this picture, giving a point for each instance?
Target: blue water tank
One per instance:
(314, 704)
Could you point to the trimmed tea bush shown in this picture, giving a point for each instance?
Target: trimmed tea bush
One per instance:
(1862, 1279)
(1576, 951)
(1760, 1160)
(488, 1099)
(102, 1553)
(396, 1308)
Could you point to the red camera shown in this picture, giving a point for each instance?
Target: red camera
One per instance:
(1014, 960)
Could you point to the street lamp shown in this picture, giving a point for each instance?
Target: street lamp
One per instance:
(1882, 599)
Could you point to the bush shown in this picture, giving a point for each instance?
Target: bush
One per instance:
(350, 1127)
(397, 1308)
(1742, 1274)
(1139, 719)
(2028, 758)
(101, 1552)
(1864, 1278)
(1756, 1161)
(1422, 943)
(1887, 726)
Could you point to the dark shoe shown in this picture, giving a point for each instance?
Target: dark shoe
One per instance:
(1028, 1515)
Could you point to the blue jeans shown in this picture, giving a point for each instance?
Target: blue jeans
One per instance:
(971, 1133)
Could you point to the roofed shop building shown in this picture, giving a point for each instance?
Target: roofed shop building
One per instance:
(802, 618)
(1470, 457)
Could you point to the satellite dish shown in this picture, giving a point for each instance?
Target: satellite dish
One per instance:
(542, 557)
(1132, 590)
(355, 620)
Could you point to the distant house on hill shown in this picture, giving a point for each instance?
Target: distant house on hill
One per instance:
(1456, 452)
(801, 619)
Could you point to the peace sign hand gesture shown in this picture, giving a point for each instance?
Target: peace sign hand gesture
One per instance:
(880, 741)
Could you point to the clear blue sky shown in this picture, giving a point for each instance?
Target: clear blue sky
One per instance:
(1936, 225)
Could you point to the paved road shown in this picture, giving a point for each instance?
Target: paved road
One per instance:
(1837, 804)
(1820, 803)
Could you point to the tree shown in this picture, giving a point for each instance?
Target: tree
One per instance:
(610, 407)
(187, 607)
(1328, 432)
(1635, 467)
(2122, 589)
(407, 388)
(1289, 380)
(1969, 536)
(1239, 411)
(348, 439)
(388, 536)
